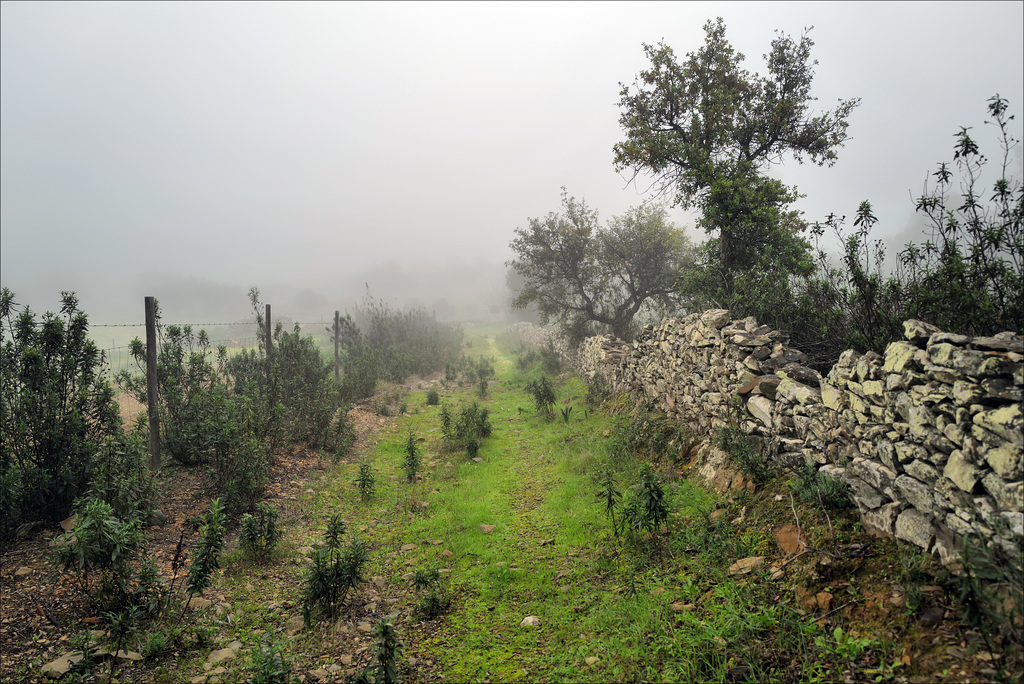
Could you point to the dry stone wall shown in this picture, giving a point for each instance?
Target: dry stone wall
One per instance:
(928, 436)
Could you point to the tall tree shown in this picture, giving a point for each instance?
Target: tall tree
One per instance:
(584, 277)
(708, 131)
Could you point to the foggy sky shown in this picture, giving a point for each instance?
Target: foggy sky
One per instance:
(190, 151)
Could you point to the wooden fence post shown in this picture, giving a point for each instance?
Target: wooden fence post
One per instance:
(270, 337)
(337, 334)
(151, 385)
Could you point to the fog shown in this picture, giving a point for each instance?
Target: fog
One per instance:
(322, 151)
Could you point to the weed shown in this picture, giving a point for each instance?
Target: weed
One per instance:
(259, 533)
(387, 655)
(844, 645)
(434, 597)
(270, 666)
(566, 412)
(745, 455)
(814, 486)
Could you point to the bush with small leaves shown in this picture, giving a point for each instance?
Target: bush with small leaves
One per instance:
(57, 412)
(433, 398)
(259, 533)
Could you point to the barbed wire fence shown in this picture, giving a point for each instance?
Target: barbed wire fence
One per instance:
(118, 357)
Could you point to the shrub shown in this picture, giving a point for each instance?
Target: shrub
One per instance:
(57, 413)
(543, 396)
(408, 342)
(433, 398)
(121, 476)
(550, 358)
(259, 533)
(99, 555)
(335, 570)
(411, 464)
(525, 362)
(366, 481)
(193, 399)
(387, 655)
(645, 510)
(206, 558)
(481, 388)
(466, 430)
(343, 434)
(446, 421)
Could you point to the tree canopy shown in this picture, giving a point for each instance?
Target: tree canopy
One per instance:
(583, 276)
(707, 130)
